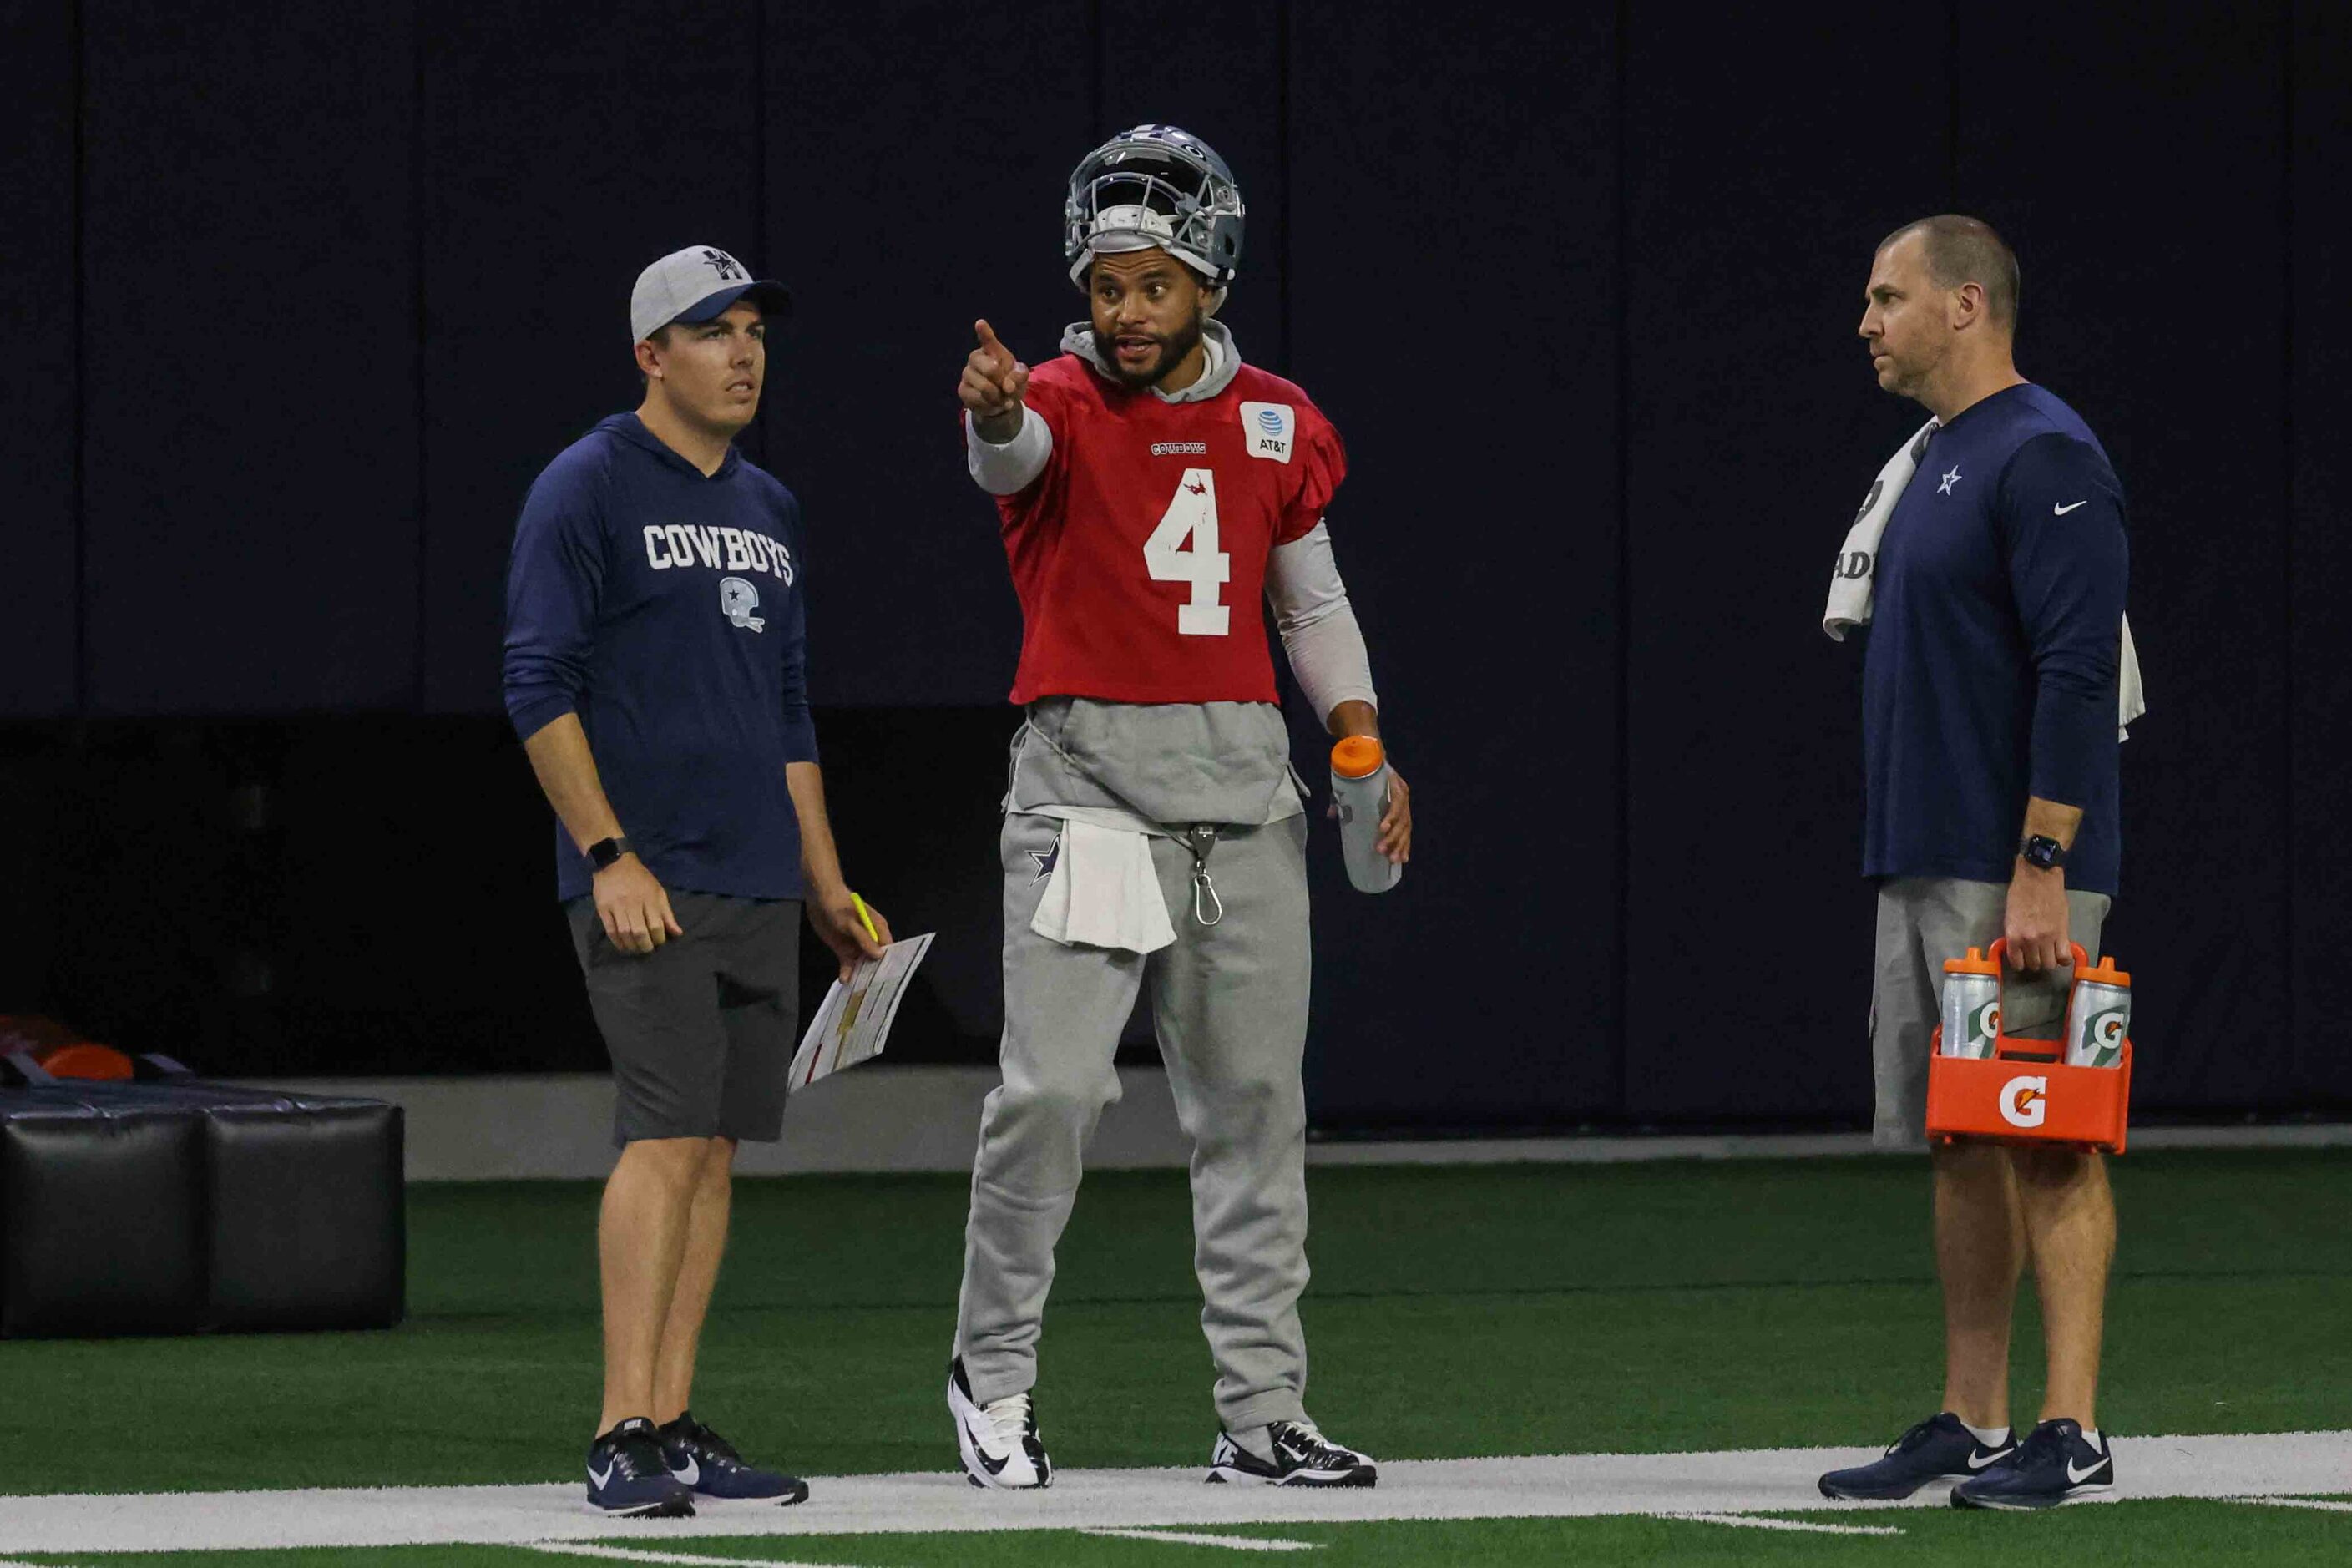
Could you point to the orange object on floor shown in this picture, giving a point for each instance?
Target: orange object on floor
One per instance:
(82, 1059)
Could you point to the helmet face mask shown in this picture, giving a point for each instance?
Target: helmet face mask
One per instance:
(1154, 186)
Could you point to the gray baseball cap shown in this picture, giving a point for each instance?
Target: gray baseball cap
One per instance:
(695, 285)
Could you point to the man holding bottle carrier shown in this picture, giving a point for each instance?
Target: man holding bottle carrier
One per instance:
(1997, 669)
(1150, 486)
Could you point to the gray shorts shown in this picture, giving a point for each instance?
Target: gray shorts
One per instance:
(1923, 921)
(700, 1030)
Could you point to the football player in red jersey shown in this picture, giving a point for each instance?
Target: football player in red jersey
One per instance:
(1151, 487)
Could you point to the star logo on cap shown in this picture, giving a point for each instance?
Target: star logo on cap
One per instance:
(726, 266)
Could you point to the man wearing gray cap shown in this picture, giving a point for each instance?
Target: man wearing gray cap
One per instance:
(654, 670)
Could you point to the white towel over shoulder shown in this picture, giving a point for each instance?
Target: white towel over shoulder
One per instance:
(1103, 893)
(1857, 568)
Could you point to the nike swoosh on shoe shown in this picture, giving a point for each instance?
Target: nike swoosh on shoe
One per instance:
(993, 1466)
(2075, 1478)
(692, 1473)
(1980, 1460)
(602, 1478)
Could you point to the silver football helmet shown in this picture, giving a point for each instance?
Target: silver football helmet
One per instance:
(1154, 185)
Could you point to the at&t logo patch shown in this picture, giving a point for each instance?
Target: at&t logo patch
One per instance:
(1268, 430)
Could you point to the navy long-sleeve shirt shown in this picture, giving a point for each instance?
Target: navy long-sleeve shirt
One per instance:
(1996, 625)
(664, 607)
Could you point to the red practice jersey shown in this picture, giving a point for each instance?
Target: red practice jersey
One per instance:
(1139, 555)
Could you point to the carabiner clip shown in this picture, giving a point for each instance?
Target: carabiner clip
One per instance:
(1201, 838)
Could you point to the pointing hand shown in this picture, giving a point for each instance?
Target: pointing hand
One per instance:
(992, 385)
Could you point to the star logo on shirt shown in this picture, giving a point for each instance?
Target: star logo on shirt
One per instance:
(1949, 480)
(1046, 858)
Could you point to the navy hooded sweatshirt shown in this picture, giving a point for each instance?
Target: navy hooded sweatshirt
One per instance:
(1995, 633)
(664, 607)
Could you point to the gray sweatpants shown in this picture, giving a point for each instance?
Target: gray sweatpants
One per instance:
(1923, 921)
(1229, 1004)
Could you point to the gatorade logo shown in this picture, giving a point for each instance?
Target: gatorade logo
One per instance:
(2024, 1100)
(2108, 1039)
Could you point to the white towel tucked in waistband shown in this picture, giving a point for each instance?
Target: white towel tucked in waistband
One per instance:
(1857, 569)
(1103, 893)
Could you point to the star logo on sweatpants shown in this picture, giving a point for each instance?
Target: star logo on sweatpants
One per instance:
(1046, 859)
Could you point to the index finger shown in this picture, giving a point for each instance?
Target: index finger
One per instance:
(987, 335)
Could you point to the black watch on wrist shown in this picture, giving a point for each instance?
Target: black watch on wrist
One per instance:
(604, 851)
(2043, 852)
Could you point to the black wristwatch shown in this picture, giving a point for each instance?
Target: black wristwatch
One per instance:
(604, 851)
(2043, 852)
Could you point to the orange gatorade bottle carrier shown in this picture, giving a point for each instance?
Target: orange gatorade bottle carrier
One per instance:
(2026, 1092)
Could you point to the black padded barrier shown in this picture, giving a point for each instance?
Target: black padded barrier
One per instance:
(173, 1205)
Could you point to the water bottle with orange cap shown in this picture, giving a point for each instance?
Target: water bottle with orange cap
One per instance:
(1971, 1004)
(1360, 790)
(2098, 1016)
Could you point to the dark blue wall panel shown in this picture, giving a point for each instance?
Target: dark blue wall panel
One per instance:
(249, 352)
(903, 208)
(2090, 143)
(2317, 566)
(1453, 309)
(558, 159)
(37, 398)
(1756, 194)
(1582, 304)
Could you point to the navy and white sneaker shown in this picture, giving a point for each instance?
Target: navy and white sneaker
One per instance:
(2055, 1463)
(1303, 1457)
(999, 1441)
(627, 1475)
(703, 1461)
(1937, 1449)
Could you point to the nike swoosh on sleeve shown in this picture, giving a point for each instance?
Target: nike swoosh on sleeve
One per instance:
(2063, 511)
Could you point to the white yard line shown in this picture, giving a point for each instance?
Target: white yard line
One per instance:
(2324, 1504)
(1767, 1480)
(1765, 1521)
(1186, 1538)
(634, 1555)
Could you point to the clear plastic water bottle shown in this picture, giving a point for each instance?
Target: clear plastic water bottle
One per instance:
(1971, 1004)
(1360, 788)
(2098, 1016)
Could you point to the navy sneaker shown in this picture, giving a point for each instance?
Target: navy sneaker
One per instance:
(703, 1460)
(1303, 1457)
(1937, 1449)
(627, 1475)
(2053, 1464)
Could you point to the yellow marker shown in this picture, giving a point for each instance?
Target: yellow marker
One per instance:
(865, 919)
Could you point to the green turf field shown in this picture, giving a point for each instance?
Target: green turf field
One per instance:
(2180, 1533)
(1455, 1313)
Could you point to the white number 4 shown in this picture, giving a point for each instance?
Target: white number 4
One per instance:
(1191, 517)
